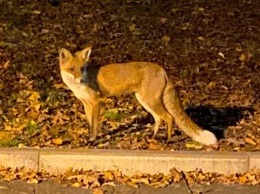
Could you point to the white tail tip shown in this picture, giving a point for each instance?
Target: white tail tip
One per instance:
(205, 137)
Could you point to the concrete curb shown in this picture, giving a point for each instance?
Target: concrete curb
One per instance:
(129, 161)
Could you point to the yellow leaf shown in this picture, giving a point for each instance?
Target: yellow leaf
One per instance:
(36, 106)
(32, 122)
(109, 175)
(201, 9)
(250, 177)
(174, 10)
(243, 179)
(34, 96)
(33, 181)
(176, 174)
(117, 173)
(166, 39)
(21, 127)
(242, 57)
(194, 145)
(58, 86)
(250, 141)
(14, 111)
(236, 148)
(211, 85)
(9, 177)
(98, 191)
(6, 135)
(6, 65)
(100, 145)
(132, 27)
(20, 145)
(7, 127)
(57, 141)
(144, 180)
(76, 184)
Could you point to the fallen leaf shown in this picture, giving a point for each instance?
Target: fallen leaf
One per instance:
(211, 85)
(201, 38)
(34, 96)
(166, 39)
(57, 141)
(76, 184)
(7, 64)
(174, 10)
(109, 175)
(221, 54)
(20, 145)
(144, 180)
(37, 12)
(154, 146)
(32, 181)
(177, 176)
(243, 179)
(98, 191)
(243, 57)
(132, 27)
(58, 86)
(250, 141)
(194, 145)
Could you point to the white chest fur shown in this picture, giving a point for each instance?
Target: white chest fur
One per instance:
(79, 89)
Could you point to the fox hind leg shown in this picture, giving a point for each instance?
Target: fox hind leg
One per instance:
(158, 112)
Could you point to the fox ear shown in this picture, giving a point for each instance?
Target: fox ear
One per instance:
(64, 55)
(85, 53)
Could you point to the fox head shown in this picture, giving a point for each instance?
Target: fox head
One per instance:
(74, 63)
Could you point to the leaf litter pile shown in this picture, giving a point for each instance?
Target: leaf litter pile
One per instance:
(210, 50)
(101, 180)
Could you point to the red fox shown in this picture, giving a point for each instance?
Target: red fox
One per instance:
(149, 81)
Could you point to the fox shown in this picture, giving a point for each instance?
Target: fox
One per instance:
(148, 81)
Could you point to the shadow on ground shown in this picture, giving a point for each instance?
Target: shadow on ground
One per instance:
(218, 119)
(215, 119)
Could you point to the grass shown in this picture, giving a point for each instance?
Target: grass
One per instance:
(112, 115)
(31, 128)
(9, 143)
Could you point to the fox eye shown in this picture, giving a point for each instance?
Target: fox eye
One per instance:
(82, 69)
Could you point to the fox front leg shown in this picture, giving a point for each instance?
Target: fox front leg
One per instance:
(88, 113)
(92, 111)
(95, 120)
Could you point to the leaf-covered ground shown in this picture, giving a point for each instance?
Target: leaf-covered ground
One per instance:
(99, 180)
(211, 49)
